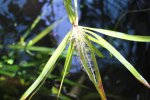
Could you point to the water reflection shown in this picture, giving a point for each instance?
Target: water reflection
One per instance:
(58, 11)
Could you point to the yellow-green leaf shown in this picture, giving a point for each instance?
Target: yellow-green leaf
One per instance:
(43, 33)
(70, 11)
(111, 49)
(47, 69)
(120, 35)
(67, 64)
(99, 85)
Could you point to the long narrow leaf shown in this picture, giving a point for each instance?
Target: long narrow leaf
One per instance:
(41, 49)
(48, 67)
(88, 71)
(67, 64)
(98, 77)
(85, 65)
(70, 11)
(44, 33)
(111, 49)
(36, 21)
(97, 52)
(76, 12)
(120, 35)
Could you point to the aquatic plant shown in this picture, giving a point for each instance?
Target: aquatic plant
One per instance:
(80, 38)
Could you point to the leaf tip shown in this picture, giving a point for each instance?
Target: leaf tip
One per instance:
(145, 82)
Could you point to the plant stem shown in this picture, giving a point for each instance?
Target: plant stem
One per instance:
(76, 12)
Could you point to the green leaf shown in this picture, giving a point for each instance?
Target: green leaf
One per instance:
(10, 61)
(62, 97)
(68, 58)
(47, 69)
(76, 12)
(120, 35)
(70, 11)
(40, 49)
(97, 52)
(85, 65)
(76, 8)
(99, 85)
(67, 64)
(88, 71)
(7, 73)
(111, 49)
(43, 33)
(36, 21)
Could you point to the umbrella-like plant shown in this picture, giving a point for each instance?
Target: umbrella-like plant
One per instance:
(80, 38)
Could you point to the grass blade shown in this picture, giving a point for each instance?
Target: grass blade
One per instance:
(97, 51)
(70, 11)
(36, 21)
(76, 12)
(44, 33)
(6, 73)
(99, 85)
(87, 69)
(41, 49)
(48, 68)
(62, 97)
(85, 65)
(67, 65)
(120, 35)
(111, 49)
